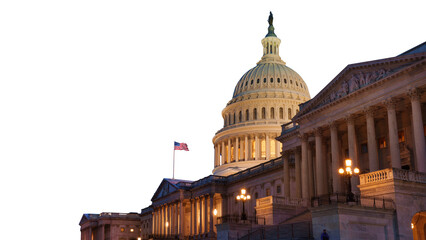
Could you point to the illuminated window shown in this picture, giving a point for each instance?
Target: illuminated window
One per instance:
(232, 154)
(281, 113)
(401, 136)
(272, 113)
(263, 147)
(382, 143)
(273, 152)
(122, 229)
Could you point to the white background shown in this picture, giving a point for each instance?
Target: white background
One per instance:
(93, 93)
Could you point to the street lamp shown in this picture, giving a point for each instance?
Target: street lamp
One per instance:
(347, 172)
(243, 197)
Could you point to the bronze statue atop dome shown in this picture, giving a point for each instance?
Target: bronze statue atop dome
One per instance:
(271, 18)
(271, 27)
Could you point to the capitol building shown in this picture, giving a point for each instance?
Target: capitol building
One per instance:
(350, 160)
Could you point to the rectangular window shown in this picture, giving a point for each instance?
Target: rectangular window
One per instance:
(279, 189)
(382, 143)
(364, 148)
(401, 136)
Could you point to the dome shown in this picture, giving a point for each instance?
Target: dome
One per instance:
(266, 97)
(266, 77)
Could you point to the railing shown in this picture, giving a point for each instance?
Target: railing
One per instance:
(302, 230)
(282, 201)
(374, 202)
(237, 219)
(274, 163)
(161, 236)
(392, 173)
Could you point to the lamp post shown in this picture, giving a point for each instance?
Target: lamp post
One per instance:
(243, 197)
(347, 172)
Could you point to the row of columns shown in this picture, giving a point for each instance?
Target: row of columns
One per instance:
(246, 148)
(201, 217)
(265, 113)
(168, 219)
(303, 155)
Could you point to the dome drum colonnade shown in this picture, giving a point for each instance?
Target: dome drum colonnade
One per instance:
(265, 97)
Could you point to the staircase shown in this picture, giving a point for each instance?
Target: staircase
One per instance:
(293, 231)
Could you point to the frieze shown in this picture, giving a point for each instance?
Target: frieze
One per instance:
(355, 82)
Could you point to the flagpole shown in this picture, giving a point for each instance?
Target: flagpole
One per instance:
(173, 161)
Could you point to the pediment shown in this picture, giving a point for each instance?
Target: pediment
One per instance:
(356, 77)
(164, 189)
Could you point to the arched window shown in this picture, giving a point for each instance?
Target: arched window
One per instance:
(255, 114)
(234, 119)
(291, 81)
(270, 49)
(272, 113)
(258, 80)
(251, 82)
(285, 80)
(240, 116)
(272, 80)
(229, 119)
(281, 113)
(264, 80)
(247, 115)
(263, 113)
(289, 113)
(278, 80)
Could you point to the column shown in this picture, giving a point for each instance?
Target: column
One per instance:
(195, 228)
(277, 148)
(268, 147)
(297, 170)
(211, 213)
(419, 138)
(246, 148)
(319, 163)
(223, 153)
(206, 215)
(229, 158)
(242, 149)
(304, 166)
(352, 150)
(191, 218)
(393, 133)
(310, 171)
(215, 155)
(256, 147)
(286, 175)
(335, 158)
(181, 219)
(200, 221)
(373, 160)
(236, 149)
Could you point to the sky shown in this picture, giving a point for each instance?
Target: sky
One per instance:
(94, 93)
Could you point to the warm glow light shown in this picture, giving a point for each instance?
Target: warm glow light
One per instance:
(356, 170)
(243, 191)
(348, 162)
(238, 197)
(341, 171)
(412, 226)
(215, 211)
(139, 238)
(167, 224)
(248, 197)
(132, 230)
(348, 169)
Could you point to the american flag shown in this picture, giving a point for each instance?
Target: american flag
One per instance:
(181, 146)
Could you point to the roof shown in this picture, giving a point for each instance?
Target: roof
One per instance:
(417, 49)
